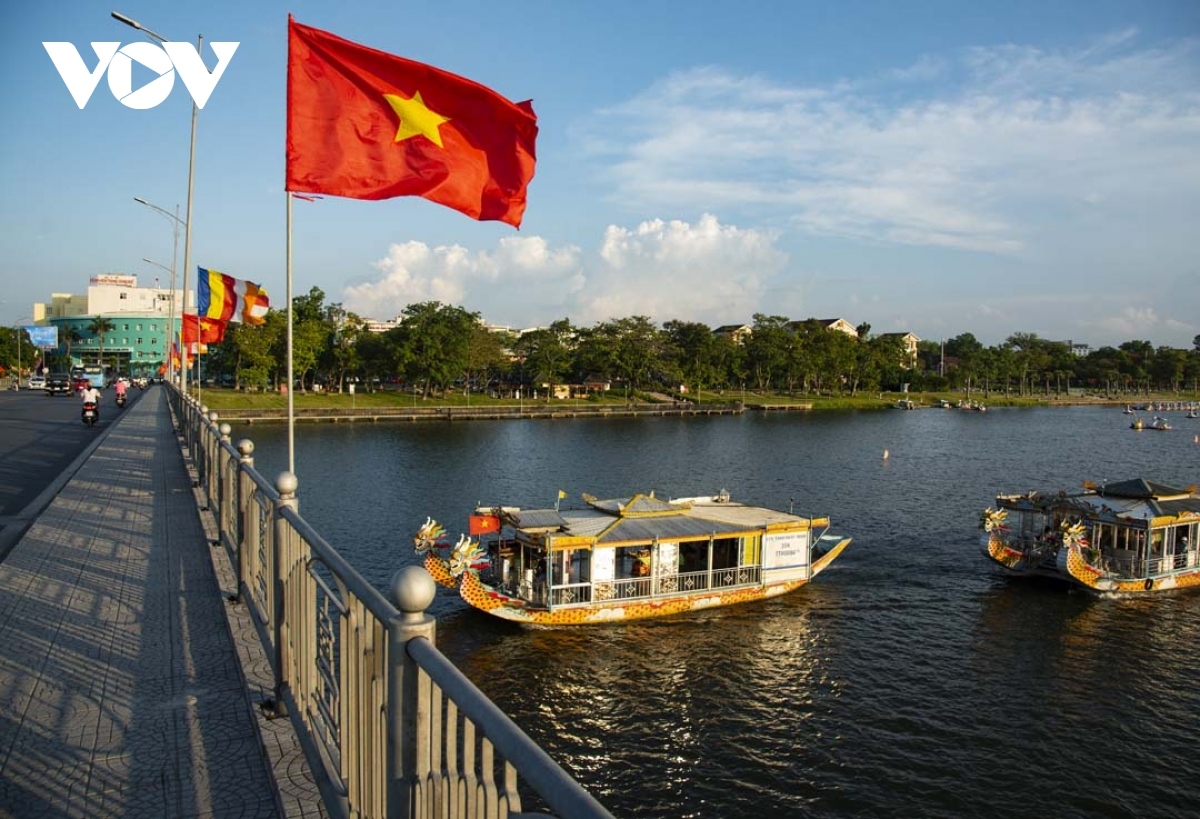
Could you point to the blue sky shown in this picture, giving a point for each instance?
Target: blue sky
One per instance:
(934, 167)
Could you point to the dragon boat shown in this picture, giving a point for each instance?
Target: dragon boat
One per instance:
(1128, 537)
(627, 558)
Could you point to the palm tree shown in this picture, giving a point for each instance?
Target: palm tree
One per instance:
(98, 327)
(71, 335)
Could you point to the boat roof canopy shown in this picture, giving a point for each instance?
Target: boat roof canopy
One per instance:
(1136, 499)
(1144, 489)
(642, 518)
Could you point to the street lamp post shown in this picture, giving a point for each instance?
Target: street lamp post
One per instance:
(187, 225)
(169, 334)
(175, 223)
(20, 331)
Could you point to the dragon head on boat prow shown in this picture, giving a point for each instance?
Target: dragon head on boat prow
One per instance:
(445, 562)
(990, 519)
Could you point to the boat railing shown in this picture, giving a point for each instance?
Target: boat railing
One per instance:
(390, 727)
(649, 588)
(1136, 567)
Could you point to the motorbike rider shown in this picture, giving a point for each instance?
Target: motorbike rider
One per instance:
(120, 388)
(90, 393)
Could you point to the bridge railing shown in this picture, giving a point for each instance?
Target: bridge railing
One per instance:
(395, 728)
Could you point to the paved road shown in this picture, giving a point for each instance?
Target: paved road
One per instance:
(42, 440)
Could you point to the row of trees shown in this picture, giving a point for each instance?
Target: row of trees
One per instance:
(438, 347)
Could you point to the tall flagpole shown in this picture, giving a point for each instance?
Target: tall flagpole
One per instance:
(290, 383)
(187, 228)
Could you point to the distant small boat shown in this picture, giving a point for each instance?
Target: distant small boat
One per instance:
(1137, 424)
(905, 404)
(1128, 410)
(1159, 423)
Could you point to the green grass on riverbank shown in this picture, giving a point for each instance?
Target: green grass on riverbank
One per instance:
(229, 400)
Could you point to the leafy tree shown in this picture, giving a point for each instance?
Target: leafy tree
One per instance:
(341, 356)
(886, 354)
(485, 354)
(694, 350)
(639, 351)
(768, 349)
(1167, 368)
(248, 352)
(545, 354)
(436, 340)
(375, 356)
(12, 348)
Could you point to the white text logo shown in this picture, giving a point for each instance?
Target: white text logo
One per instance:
(165, 61)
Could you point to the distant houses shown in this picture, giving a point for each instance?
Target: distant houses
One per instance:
(737, 333)
(841, 325)
(908, 342)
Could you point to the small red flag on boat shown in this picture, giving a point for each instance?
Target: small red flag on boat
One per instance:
(482, 524)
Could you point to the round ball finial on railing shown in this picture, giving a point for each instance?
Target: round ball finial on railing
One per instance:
(204, 410)
(286, 483)
(412, 590)
(225, 429)
(212, 416)
(245, 447)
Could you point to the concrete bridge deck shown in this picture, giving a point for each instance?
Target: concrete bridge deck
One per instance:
(128, 683)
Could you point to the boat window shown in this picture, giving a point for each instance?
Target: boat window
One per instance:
(693, 557)
(572, 566)
(633, 561)
(725, 552)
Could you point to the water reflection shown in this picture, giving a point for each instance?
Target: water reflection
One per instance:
(910, 679)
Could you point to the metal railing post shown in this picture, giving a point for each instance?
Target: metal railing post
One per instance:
(196, 441)
(226, 524)
(412, 590)
(212, 463)
(245, 490)
(285, 485)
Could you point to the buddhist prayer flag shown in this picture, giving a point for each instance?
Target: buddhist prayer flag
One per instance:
(365, 124)
(202, 329)
(482, 524)
(225, 298)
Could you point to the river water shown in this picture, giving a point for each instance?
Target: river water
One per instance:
(911, 679)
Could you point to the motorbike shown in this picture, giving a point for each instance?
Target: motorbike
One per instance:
(121, 400)
(90, 413)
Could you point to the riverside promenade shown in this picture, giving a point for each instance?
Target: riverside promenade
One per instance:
(129, 684)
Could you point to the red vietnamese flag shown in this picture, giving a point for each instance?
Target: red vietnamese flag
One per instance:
(201, 329)
(365, 124)
(482, 524)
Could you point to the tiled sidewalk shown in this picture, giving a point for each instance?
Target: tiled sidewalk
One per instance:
(121, 690)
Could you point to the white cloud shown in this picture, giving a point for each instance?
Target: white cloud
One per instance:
(520, 268)
(1142, 322)
(705, 272)
(1009, 136)
(662, 269)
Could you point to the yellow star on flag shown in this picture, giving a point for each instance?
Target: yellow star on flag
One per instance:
(416, 118)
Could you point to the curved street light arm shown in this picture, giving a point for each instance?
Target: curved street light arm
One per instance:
(129, 21)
